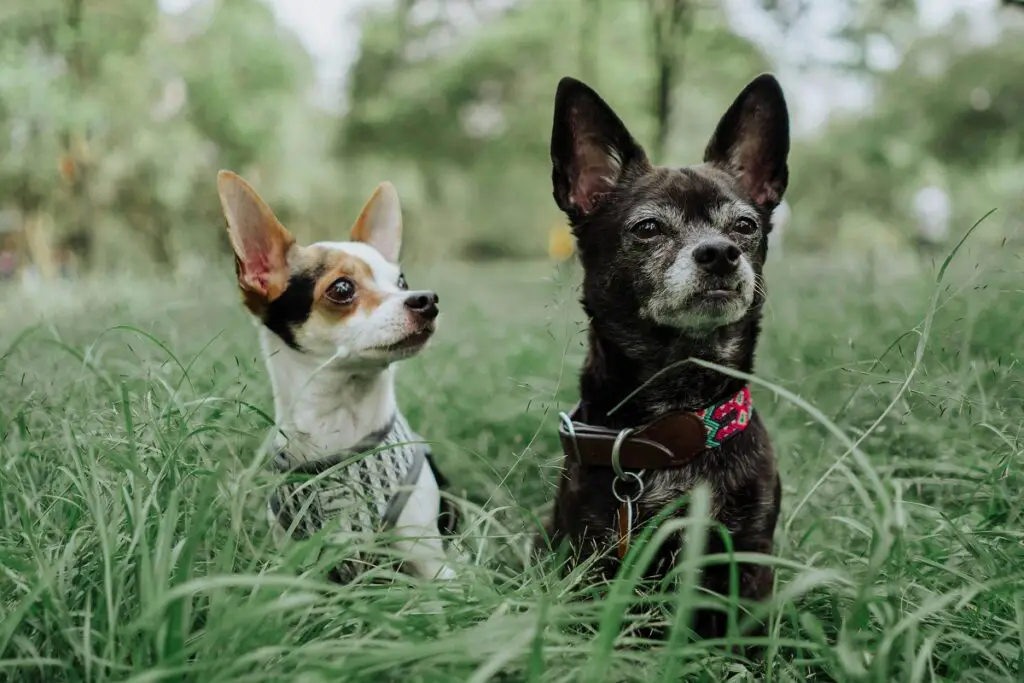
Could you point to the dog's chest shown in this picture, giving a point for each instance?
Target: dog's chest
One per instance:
(362, 497)
(598, 507)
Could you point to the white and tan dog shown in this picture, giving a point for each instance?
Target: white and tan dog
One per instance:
(333, 318)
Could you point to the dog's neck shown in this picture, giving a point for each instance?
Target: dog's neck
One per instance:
(652, 363)
(320, 409)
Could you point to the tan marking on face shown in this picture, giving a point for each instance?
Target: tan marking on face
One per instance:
(338, 264)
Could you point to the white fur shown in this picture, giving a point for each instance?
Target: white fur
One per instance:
(417, 525)
(341, 388)
(677, 303)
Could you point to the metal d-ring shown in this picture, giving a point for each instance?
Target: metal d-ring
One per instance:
(617, 449)
(627, 498)
(621, 474)
(567, 421)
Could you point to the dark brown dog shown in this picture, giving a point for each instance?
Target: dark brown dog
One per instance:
(672, 261)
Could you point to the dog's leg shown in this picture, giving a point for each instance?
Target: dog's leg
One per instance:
(756, 582)
(448, 519)
(417, 525)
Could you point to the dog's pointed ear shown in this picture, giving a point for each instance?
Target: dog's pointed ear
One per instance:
(380, 222)
(752, 141)
(591, 149)
(260, 242)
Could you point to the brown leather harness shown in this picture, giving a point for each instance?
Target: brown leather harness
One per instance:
(671, 441)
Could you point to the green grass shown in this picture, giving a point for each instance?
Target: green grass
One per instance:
(133, 544)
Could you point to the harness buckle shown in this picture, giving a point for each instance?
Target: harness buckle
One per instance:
(567, 422)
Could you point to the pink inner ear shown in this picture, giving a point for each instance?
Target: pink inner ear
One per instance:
(750, 160)
(256, 266)
(257, 270)
(587, 189)
(595, 170)
(760, 188)
(763, 194)
(592, 182)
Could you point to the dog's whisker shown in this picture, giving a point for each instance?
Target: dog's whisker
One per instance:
(766, 301)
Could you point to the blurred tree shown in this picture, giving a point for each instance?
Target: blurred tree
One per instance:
(432, 93)
(33, 89)
(466, 102)
(671, 22)
(950, 109)
(865, 23)
(94, 32)
(962, 105)
(589, 40)
(242, 70)
(119, 116)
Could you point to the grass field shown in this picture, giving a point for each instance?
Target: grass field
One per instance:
(133, 545)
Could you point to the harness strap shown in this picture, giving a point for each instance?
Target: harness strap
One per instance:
(398, 501)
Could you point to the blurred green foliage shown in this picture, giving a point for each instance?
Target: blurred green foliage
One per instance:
(115, 116)
(945, 115)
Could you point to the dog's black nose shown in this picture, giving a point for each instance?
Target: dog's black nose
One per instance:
(424, 304)
(718, 257)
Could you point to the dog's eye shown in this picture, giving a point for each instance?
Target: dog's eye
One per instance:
(402, 284)
(647, 229)
(342, 291)
(745, 226)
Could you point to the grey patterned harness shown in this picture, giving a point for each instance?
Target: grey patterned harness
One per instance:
(366, 495)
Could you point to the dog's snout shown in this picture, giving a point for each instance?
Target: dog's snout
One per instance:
(719, 257)
(423, 304)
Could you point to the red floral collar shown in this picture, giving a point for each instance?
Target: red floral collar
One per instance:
(726, 418)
